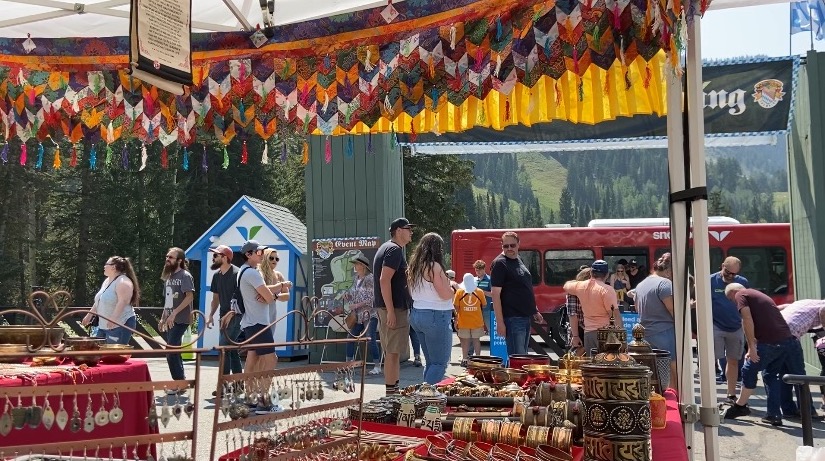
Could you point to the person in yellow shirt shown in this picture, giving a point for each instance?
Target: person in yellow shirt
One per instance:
(469, 300)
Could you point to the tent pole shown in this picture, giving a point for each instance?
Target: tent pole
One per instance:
(678, 237)
(708, 411)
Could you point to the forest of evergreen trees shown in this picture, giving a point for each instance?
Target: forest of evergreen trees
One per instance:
(616, 184)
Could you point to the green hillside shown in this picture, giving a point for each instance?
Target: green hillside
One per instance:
(547, 177)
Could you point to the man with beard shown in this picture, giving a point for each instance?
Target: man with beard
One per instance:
(177, 309)
(728, 336)
(222, 288)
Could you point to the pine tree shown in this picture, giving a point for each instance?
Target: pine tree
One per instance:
(566, 210)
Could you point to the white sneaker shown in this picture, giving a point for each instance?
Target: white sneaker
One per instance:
(375, 371)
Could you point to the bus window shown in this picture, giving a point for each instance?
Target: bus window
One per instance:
(563, 265)
(716, 257)
(764, 267)
(614, 255)
(531, 259)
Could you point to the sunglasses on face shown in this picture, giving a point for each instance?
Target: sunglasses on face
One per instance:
(507, 246)
(727, 272)
(215, 255)
(274, 258)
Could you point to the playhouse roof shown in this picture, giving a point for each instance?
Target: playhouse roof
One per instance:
(292, 227)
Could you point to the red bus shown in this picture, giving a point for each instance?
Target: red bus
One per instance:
(554, 255)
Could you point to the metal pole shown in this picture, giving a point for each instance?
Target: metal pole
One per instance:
(678, 239)
(708, 412)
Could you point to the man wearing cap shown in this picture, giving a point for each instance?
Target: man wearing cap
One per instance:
(223, 288)
(255, 320)
(597, 300)
(514, 302)
(392, 298)
(636, 273)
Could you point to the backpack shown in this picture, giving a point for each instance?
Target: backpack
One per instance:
(237, 297)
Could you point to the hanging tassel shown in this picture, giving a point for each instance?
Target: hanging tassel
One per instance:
(305, 153)
(497, 72)
(144, 157)
(164, 158)
(73, 158)
(558, 94)
(124, 156)
(368, 62)
(683, 33)
(244, 154)
(326, 101)
(328, 150)
(507, 110)
(283, 152)
(648, 75)
(225, 163)
(4, 154)
(108, 160)
(265, 154)
(621, 52)
(498, 29)
(204, 160)
(58, 162)
(348, 149)
(369, 144)
(434, 98)
(413, 134)
(597, 38)
(185, 159)
(606, 88)
(617, 19)
(93, 157)
(38, 164)
(387, 105)
(627, 82)
(431, 65)
(656, 21)
(452, 37)
(581, 88)
(393, 139)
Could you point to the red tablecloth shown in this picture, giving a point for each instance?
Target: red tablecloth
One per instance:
(135, 406)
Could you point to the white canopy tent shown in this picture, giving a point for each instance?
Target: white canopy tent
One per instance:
(57, 18)
(110, 18)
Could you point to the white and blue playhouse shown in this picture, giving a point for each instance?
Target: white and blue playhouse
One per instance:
(275, 227)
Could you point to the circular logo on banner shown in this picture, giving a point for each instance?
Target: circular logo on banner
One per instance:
(768, 93)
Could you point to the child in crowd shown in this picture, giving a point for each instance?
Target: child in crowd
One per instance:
(468, 302)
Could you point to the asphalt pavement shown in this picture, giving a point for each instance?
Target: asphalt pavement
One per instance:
(746, 438)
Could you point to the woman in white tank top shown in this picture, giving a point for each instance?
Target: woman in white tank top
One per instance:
(432, 305)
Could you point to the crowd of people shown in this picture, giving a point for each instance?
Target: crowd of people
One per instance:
(420, 303)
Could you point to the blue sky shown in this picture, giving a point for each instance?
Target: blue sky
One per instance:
(754, 30)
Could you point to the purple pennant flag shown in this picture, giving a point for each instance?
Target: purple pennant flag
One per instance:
(204, 162)
(124, 156)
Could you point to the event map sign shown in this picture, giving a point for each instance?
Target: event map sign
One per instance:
(333, 272)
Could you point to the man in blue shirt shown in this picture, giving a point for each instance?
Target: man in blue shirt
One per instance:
(728, 336)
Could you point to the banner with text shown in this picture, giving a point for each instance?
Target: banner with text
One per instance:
(333, 273)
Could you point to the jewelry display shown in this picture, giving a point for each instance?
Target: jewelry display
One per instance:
(89, 420)
(62, 417)
(35, 415)
(116, 414)
(102, 415)
(5, 420)
(76, 423)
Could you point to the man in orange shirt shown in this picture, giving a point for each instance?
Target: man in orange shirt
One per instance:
(597, 301)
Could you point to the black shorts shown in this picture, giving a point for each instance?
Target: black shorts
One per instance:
(264, 338)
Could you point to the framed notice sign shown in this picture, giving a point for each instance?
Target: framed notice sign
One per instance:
(160, 36)
(333, 272)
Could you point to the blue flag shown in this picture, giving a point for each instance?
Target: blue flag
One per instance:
(808, 15)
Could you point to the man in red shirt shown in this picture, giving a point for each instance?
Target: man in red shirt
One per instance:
(772, 349)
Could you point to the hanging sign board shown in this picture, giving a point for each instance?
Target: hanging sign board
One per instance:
(160, 37)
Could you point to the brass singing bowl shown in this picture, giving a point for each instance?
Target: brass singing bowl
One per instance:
(126, 354)
(13, 353)
(541, 372)
(85, 344)
(34, 336)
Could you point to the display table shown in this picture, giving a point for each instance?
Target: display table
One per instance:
(135, 406)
